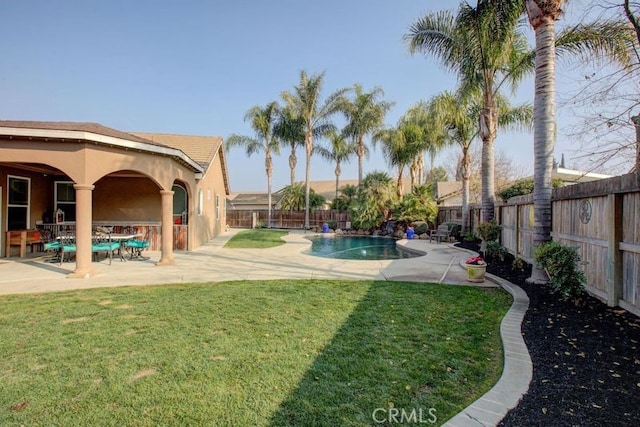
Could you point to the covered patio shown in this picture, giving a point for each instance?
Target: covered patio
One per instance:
(78, 176)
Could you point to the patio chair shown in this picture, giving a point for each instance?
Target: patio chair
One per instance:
(442, 232)
(102, 242)
(51, 244)
(67, 246)
(136, 246)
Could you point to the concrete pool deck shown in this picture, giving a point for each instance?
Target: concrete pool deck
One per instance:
(214, 263)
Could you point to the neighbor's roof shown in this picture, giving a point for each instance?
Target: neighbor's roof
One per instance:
(242, 199)
(83, 131)
(574, 176)
(202, 149)
(447, 189)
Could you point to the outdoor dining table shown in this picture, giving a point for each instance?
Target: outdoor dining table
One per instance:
(120, 238)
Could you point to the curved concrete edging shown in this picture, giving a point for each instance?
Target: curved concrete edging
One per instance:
(492, 406)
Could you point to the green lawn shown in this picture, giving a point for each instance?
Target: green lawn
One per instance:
(256, 239)
(263, 353)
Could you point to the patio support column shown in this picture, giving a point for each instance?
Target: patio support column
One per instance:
(166, 245)
(84, 217)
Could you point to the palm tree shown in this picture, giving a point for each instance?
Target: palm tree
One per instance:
(293, 198)
(457, 113)
(289, 129)
(484, 46)
(262, 121)
(376, 197)
(305, 103)
(432, 141)
(400, 145)
(340, 150)
(614, 40)
(487, 49)
(365, 115)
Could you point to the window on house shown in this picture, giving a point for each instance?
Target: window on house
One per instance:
(18, 196)
(65, 199)
(217, 207)
(200, 201)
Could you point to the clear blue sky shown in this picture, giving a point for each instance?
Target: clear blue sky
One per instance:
(195, 67)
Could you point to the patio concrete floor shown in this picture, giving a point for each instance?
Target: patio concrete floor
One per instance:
(213, 263)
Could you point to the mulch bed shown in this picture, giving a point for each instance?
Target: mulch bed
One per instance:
(586, 359)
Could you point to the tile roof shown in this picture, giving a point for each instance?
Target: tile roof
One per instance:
(78, 127)
(202, 149)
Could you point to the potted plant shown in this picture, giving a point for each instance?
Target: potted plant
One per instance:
(476, 268)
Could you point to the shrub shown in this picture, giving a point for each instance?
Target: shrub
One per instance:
(420, 227)
(522, 187)
(490, 230)
(519, 264)
(495, 251)
(561, 264)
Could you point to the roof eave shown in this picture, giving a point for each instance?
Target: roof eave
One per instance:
(102, 139)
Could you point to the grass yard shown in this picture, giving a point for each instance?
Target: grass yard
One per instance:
(263, 353)
(257, 238)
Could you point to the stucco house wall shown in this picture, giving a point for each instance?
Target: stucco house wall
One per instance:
(117, 177)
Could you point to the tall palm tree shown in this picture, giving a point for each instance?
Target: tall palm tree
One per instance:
(457, 114)
(339, 150)
(484, 46)
(289, 129)
(365, 115)
(262, 121)
(614, 40)
(305, 103)
(433, 138)
(400, 145)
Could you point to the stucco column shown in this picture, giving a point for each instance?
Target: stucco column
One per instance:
(84, 217)
(166, 245)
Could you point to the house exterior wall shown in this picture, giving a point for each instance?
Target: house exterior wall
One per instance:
(126, 199)
(209, 223)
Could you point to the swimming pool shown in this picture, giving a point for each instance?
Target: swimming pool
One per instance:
(358, 247)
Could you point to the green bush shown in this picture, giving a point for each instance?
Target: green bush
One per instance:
(561, 264)
(522, 187)
(490, 230)
(332, 224)
(420, 227)
(495, 251)
(519, 264)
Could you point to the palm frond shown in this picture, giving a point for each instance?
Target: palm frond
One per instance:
(599, 41)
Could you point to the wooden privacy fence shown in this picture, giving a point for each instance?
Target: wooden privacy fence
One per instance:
(601, 219)
(286, 219)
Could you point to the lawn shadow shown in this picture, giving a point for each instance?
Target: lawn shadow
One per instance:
(393, 355)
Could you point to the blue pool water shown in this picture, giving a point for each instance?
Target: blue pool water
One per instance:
(358, 247)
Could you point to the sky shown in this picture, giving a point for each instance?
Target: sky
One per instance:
(196, 67)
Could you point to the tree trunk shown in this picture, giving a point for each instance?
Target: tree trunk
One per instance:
(400, 188)
(337, 171)
(309, 150)
(488, 127)
(293, 161)
(269, 167)
(421, 168)
(466, 172)
(636, 122)
(360, 157)
(544, 131)
(414, 172)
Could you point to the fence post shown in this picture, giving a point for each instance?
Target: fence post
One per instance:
(614, 255)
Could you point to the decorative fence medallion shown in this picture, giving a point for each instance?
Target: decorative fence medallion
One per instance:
(585, 211)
